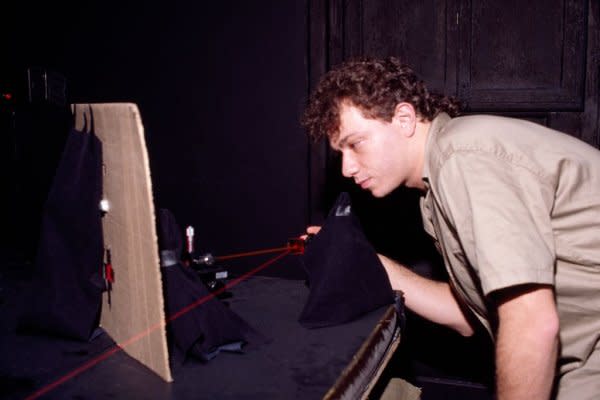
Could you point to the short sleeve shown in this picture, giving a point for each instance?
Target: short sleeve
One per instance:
(501, 212)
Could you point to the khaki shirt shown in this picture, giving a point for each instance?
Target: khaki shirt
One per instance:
(511, 202)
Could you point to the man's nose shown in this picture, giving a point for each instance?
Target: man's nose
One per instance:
(349, 165)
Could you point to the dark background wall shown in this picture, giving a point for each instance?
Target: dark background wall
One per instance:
(220, 87)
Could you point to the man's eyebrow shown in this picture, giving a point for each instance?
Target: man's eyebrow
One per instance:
(343, 142)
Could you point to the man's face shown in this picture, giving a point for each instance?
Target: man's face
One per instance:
(375, 153)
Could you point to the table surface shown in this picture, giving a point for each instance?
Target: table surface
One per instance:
(296, 363)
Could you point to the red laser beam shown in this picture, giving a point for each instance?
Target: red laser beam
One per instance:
(295, 246)
(120, 346)
(252, 253)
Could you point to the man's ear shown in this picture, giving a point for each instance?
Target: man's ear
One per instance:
(405, 117)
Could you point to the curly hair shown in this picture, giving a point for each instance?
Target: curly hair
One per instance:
(375, 86)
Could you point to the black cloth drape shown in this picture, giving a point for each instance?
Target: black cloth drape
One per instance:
(345, 277)
(199, 324)
(66, 295)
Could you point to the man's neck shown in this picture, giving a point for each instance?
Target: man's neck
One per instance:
(421, 135)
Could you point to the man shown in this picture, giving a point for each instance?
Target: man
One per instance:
(514, 208)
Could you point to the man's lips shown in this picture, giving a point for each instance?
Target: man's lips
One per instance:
(363, 183)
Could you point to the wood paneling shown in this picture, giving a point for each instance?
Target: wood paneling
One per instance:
(517, 55)
(422, 34)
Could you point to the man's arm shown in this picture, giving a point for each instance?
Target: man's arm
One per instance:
(430, 299)
(526, 342)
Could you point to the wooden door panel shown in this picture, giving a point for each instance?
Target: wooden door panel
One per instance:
(518, 55)
(422, 34)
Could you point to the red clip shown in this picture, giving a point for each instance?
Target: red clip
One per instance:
(108, 273)
(296, 246)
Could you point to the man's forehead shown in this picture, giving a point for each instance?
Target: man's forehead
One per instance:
(348, 109)
(347, 113)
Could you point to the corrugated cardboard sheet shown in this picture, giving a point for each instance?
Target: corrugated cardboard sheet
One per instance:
(135, 316)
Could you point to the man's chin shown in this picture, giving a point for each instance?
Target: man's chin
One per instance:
(377, 193)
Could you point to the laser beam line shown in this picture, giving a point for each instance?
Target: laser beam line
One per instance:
(120, 346)
(252, 253)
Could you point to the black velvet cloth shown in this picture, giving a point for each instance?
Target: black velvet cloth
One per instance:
(346, 278)
(199, 324)
(66, 293)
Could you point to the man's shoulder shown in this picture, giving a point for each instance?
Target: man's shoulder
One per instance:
(482, 137)
(492, 133)
(483, 126)
(463, 133)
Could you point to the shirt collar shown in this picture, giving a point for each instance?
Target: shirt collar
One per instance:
(436, 126)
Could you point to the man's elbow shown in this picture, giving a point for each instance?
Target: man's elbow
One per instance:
(548, 326)
(466, 331)
(530, 310)
(463, 327)
(545, 324)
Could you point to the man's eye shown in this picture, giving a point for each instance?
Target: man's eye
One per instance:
(356, 144)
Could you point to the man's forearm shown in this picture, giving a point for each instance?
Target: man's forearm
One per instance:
(428, 298)
(527, 346)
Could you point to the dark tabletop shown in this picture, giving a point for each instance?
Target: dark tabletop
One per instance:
(295, 362)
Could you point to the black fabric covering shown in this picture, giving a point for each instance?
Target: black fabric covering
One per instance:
(199, 324)
(345, 277)
(66, 294)
(169, 232)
